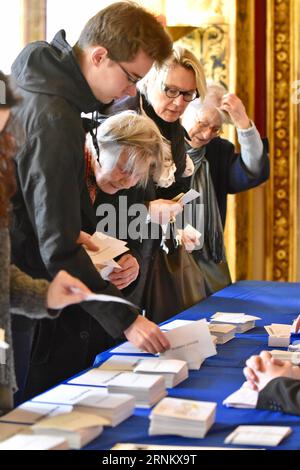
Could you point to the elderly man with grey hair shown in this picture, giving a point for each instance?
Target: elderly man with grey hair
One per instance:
(219, 171)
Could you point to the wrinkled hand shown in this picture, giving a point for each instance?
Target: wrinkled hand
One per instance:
(262, 369)
(60, 292)
(189, 240)
(236, 110)
(122, 278)
(85, 239)
(162, 210)
(146, 335)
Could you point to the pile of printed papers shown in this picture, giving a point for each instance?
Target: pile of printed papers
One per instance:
(242, 321)
(279, 335)
(147, 389)
(173, 370)
(187, 418)
(223, 332)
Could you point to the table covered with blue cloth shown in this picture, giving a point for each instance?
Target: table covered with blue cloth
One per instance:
(222, 374)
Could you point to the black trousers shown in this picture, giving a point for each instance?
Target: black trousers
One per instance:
(64, 347)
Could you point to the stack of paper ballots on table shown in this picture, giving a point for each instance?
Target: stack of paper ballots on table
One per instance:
(77, 428)
(147, 389)
(114, 407)
(241, 321)
(258, 435)
(223, 332)
(31, 412)
(186, 418)
(279, 335)
(294, 357)
(174, 371)
(33, 442)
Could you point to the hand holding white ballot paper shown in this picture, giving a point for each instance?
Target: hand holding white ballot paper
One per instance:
(191, 343)
(109, 248)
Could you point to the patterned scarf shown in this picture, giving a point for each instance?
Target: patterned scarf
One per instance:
(213, 240)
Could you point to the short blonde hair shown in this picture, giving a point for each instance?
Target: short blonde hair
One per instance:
(140, 137)
(180, 56)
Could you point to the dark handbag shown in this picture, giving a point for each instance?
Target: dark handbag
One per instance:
(174, 281)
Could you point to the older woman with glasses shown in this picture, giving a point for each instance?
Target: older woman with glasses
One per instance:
(163, 95)
(220, 171)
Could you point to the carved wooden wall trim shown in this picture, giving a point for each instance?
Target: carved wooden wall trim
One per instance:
(282, 198)
(245, 83)
(34, 26)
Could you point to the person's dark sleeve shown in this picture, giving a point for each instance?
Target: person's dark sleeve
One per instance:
(240, 178)
(281, 394)
(50, 169)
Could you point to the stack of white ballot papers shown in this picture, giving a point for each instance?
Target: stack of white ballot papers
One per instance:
(109, 248)
(244, 397)
(147, 389)
(31, 412)
(77, 428)
(242, 321)
(191, 342)
(223, 332)
(258, 435)
(173, 370)
(186, 418)
(279, 335)
(294, 357)
(115, 408)
(7, 430)
(33, 442)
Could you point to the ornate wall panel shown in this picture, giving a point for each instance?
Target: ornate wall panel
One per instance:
(34, 20)
(282, 201)
(245, 89)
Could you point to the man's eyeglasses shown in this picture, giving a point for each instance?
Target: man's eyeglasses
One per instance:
(204, 126)
(130, 78)
(174, 93)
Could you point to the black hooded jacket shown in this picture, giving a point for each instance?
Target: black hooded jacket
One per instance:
(52, 204)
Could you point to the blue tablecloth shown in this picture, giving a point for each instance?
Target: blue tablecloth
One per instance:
(222, 374)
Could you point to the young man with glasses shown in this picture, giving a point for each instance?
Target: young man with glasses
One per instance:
(57, 82)
(220, 171)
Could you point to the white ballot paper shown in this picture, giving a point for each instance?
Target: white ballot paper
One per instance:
(33, 442)
(244, 397)
(127, 348)
(258, 435)
(96, 377)
(109, 248)
(122, 363)
(31, 412)
(294, 357)
(175, 324)
(67, 394)
(106, 298)
(191, 343)
(189, 196)
(108, 268)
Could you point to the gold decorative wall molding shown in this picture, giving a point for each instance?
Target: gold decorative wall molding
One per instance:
(282, 197)
(34, 20)
(245, 89)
